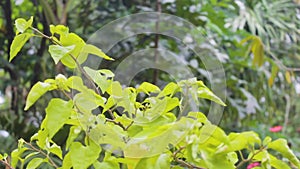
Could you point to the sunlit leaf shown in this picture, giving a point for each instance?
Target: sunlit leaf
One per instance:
(39, 89)
(22, 25)
(91, 49)
(148, 88)
(34, 163)
(87, 154)
(57, 113)
(57, 51)
(281, 146)
(18, 43)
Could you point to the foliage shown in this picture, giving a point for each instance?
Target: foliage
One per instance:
(121, 134)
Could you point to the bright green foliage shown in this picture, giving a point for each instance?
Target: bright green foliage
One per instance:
(18, 43)
(22, 25)
(146, 133)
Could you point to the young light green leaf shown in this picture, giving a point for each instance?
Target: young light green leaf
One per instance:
(57, 113)
(106, 165)
(267, 140)
(204, 92)
(55, 149)
(74, 132)
(22, 24)
(30, 155)
(75, 82)
(282, 147)
(87, 154)
(57, 52)
(88, 48)
(170, 89)
(71, 39)
(107, 73)
(148, 88)
(18, 43)
(59, 29)
(39, 89)
(99, 79)
(161, 161)
(34, 163)
(239, 141)
(213, 135)
(15, 155)
(88, 100)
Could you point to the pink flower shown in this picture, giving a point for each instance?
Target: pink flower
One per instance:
(275, 129)
(252, 165)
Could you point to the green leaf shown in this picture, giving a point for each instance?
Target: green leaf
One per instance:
(161, 161)
(31, 154)
(59, 29)
(55, 149)
(282, 147)
(258, 52)
(39, 89)
(84, 156)
(22, 25)
(16, 154)
(239, 141)
(18, 43)
(99, 79)
(88, 100)
(57, 51)
(73, 134)
(91, 49)
(148, 88)
(1, 157)
(267, 140)
(70, 40)
(276, 163)
(57, 113)
(212, 135)
(108, 133)
(75, 82)
(204, 92)
(170, 89)
(106, 165)
(273, 161)
(67, 162)
(34, 163)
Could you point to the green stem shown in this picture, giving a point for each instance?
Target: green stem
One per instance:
(249, 159)
(43, 153)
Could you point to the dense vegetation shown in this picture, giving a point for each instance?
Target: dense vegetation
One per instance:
(256, 41)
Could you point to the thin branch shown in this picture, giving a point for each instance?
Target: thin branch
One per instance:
(185, 164)
(241, 154)
(117, 123)
(182, 162)
(43, 153)
(281, 65)
(6, 164)
(249, 159)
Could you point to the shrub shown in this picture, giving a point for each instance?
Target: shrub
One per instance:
(143, 127)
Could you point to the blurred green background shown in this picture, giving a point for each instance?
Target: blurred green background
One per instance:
(262, 74)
